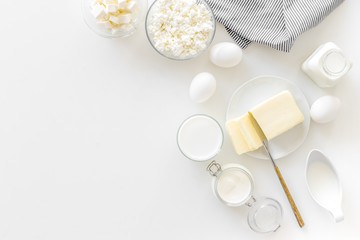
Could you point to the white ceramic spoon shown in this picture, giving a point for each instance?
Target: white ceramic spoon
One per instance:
(324, 184)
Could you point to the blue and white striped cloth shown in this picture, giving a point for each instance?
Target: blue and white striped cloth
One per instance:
(275, 23)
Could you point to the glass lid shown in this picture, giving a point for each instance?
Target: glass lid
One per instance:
(265, 215)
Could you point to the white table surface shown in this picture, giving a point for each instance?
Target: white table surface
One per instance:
(88, 126)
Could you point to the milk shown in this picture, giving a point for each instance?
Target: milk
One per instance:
(323, 183)
(200, 138)
(327, 65)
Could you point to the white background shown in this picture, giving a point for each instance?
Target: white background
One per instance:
(88, 126)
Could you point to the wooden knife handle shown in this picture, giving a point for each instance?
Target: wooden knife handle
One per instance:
(291, 200)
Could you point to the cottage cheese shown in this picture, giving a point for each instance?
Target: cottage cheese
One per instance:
(180, 28)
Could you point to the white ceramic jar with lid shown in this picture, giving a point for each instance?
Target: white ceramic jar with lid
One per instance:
(327, 65)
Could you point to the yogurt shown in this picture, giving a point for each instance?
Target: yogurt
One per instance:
(234, 186)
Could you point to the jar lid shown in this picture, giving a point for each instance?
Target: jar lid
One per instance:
(265, 215)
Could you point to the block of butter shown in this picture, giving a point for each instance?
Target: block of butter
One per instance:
(277, 114)
(248, 129)
(236, 136)
(274, 116)
(244, 134)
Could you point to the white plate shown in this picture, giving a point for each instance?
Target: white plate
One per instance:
(258, 90)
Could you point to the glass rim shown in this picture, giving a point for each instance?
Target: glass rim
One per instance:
(181, 126)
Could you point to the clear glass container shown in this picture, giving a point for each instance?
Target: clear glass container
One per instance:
(327, 65)
(334, 63)
(200, 137)
(151, 37)
(236, 189)
(91, 22)
(265, 215)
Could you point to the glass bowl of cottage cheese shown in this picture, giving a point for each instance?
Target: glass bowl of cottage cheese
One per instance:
(114, 18)
(180, 29)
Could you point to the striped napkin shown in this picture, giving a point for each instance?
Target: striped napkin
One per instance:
(275, 23)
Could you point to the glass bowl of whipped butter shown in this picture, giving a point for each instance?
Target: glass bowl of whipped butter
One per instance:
(180, 29)
(114, 18)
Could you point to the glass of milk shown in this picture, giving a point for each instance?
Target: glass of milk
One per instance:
(200, 137)
(233, 185)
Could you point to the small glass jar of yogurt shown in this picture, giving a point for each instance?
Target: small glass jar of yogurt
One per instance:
(233, 185)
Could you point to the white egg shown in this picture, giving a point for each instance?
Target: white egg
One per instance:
(226, 54)
(325, 109)
(202, 87)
